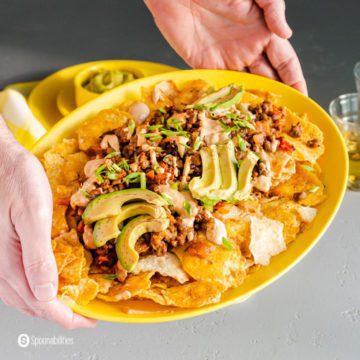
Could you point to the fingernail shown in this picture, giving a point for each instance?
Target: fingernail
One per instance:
(44, 292)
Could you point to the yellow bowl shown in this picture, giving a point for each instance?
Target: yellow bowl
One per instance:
(334, 163)
(82, 95)
(55, 95)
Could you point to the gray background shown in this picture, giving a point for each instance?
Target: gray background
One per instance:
(313, 312)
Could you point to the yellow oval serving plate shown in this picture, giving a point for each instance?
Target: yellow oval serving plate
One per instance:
(334, 163)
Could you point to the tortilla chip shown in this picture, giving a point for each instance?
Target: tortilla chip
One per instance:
(73, 168)
(309, 132)
(83, 293)
(69, 244)
(265, 95)
(220, 265)
(59, 223)
(192, 91)
(192, 295)
(166, 265)
(285, 211)
(266, 239)
(90, 131)
(104, 284)
(132, 286)
(302, 181)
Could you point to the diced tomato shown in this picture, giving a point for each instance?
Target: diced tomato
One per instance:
(80, 227)
(285, 146)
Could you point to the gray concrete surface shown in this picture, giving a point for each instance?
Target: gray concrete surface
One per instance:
(313, 312)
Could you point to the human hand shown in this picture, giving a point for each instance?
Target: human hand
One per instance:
(231, 34)
(28, 273)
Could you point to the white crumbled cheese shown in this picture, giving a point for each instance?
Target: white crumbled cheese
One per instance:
(267, 239)
(166, 265)
(217, 232)
(306, 213)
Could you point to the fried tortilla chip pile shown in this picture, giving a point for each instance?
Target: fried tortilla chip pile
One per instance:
(210, 245)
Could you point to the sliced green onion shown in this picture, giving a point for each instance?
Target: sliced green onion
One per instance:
(170, 133)
(112, 154)
(85, 193)
(156, 167)
(241, 143)
(162, 110)
(110, 277)
(116, 167)
(232, 116)
(167, 198)
(314, 189)
(209, 203)
(131, 126)
(187, 207)
(227, 244)
(307, 167)
(142, 180)
(175, 186)
(100, 178)
(197, 143)
(154, 127)
(112, 176)
(175, 123)
(132, 177)
(124, 164)
(100, 169)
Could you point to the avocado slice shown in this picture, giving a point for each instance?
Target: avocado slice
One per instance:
(108, 228)
(125, 244)
(244, 176)
(222, 98)
(229, 184)
(211, 176)
(110, 204)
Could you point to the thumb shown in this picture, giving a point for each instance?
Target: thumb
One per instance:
(33, 226)
(274, 12)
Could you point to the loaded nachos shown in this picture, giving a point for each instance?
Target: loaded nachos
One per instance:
(178, 197)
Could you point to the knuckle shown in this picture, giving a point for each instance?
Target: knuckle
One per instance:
(41, 265)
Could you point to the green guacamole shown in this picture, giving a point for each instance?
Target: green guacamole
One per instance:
(105, 80)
